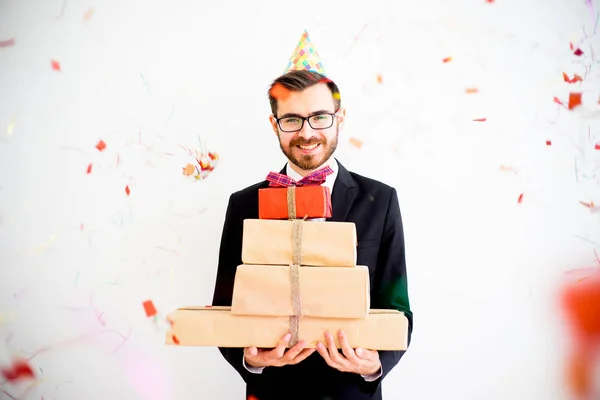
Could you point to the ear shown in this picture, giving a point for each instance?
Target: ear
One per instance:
(274, 125)
(341, 117)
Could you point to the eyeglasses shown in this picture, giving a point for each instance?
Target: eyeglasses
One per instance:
(295, 124)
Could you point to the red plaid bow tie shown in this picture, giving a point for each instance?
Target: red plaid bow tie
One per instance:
(313, 179)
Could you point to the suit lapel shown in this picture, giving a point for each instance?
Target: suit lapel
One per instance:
(342, 196)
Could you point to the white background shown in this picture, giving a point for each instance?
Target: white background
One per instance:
(78, 256)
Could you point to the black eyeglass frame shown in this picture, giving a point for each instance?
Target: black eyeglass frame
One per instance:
(307, 119)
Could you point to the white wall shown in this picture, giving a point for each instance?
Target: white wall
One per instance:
(482, 268)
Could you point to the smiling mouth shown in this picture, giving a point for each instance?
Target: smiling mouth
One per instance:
(311, 147)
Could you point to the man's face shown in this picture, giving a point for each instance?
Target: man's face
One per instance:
(308, 148)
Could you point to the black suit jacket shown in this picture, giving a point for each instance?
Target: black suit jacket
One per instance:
(373, 207)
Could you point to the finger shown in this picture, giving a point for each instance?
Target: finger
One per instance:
(347, 350)
(294, 350)
(322, 349)
(364, 354)
(278, 351)
(334, 354)
(250, 352)
(304, 354)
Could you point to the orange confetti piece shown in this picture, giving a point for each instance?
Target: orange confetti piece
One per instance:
(472, 90)
(579, 375)
(480, 119)
(213, 156)
(19, 370)
(588, 205)
(447, 59)
(576, 78)
(548, 142)
(520, 199)
(55, 65)
(175, 340)
(279, 92)
(574, 100)
(149, 308)
(127, 190)
(355, 142)
(379, 78)
(101, 145)
(88, 14)
(89, 169)
(189, 170)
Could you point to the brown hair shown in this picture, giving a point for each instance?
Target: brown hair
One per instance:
(297, 81)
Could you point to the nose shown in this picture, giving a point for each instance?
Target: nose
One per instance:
(306, 132)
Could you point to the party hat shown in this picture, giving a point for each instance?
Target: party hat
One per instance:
(305, 57)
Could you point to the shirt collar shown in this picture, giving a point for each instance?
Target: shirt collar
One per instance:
(329, 180)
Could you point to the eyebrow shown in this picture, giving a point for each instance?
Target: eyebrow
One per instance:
(287, 115)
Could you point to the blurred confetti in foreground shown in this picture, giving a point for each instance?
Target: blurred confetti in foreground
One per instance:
(204, 163)
(580, 302)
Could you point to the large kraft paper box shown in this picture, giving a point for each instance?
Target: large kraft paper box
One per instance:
(307, 202)
(324, 243)
(323, 292)
(217, 326)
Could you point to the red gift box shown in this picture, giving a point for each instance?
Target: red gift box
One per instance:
(307, 201)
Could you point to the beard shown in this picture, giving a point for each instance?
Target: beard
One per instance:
(310, 162)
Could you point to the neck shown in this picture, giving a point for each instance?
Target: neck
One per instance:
(304, 172)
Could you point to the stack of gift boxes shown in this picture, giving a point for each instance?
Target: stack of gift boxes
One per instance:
(298, 276)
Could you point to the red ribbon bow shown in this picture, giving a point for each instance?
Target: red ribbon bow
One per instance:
(313, 179)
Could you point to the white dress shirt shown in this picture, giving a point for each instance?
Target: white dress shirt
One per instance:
(329, 182)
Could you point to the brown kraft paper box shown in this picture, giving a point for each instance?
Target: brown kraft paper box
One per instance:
(323, 243)
(216, 326)
(324, 292)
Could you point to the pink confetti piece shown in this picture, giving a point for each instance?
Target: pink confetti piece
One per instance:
(480, 119)
(89, 169)
(520, 199)
(7, 43)
(597, 147)
(548, 143)
(55, 65)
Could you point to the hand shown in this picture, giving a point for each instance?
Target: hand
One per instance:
(278, 356)
(359, 361)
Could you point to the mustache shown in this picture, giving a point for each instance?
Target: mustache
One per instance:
(303, 142)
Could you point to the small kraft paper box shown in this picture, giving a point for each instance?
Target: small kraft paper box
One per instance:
(217, 326)
(273, 290)
(294, 202)
(317, 243)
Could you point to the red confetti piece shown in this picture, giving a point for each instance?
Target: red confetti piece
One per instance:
(19, 370)
(447, 59)
(207, 306)
(597, 147)
(574, 100)
(175, 340)
(581, 303)
(578, 52)
(472, 90)
(7, 43)
(101, 145)
(127, 190)
(520, 200)
(149, 308)
(558, 101)
(480, 119)
(89, 169)
(55, 65)
(279, 92)
(548, 143)
(576, 78)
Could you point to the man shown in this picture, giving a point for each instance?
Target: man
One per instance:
(307, 117)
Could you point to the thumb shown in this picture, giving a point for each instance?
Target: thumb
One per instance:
(363, 354)
(252, 351)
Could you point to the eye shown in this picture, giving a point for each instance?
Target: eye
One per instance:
(320, 117)
(291, 120)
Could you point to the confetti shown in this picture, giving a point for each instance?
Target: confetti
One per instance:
(576, 78)
(480, 119)
(19, 370)
(379, 78)
(337, 96)
(548, 142)
(574, 100)
(55, 65)
(472, 90)
(127, 190)
(88, 14)
(355, 142)
(101, 146)
(89, 169)
(597, 147)
(447, 59)
(149, 308)
(558, 101)
(189, 170)
(520, 199)
(589, 205)
(175, 340)
(205, 163)
(279, 92)
(578, 52)
(7, 43)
